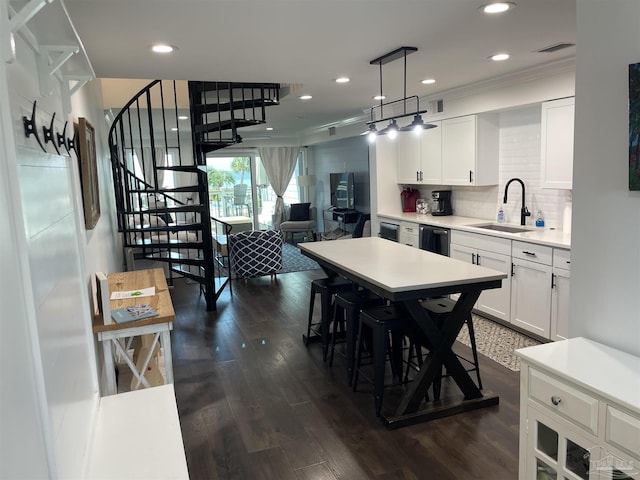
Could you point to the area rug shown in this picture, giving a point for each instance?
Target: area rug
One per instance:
(294, 261)
(497, 342)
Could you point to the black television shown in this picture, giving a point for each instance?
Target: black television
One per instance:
(342, 191)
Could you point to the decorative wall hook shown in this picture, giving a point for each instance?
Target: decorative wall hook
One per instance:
(48, 134)
(73, 142)
(30, 126)
(62, 141)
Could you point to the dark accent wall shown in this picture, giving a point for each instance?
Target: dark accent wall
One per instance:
(344, 155)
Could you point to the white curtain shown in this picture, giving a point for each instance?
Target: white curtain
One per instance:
(145, 156)
(279, 163)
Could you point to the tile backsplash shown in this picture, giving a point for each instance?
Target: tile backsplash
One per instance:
(519, 157)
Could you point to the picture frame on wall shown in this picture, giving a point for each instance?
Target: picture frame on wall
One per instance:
(88, 172)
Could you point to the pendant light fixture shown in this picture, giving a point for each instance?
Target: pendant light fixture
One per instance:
(377, 112)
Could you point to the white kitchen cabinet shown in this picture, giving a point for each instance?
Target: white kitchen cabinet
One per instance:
(531, 287)
(579, 412)
(431, 149)
(560, 294)
(556, 135)
(470, 150)
(420, 156)
(490, 252)
(409, 234)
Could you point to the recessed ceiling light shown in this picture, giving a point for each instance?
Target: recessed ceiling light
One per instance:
(269, 128)
(163, 48)
(379, 97)
(343, 80)
(497, 7)
(499, 57)
(305, 97)
(428, 81)
(182, 117)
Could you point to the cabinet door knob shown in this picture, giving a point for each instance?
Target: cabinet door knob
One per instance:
(556, 400)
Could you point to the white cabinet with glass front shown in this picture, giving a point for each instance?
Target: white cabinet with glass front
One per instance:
(579, 412)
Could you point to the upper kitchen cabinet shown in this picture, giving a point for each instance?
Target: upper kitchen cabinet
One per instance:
(556, 154)
(420, 156)
(470, 150)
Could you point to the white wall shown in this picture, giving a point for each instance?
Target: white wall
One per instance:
(49, 385)
(605, 258)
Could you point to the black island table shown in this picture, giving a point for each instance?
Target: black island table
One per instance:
(405, 275)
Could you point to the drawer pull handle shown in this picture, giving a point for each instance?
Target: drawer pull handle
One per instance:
(556, 400)
(531, 254)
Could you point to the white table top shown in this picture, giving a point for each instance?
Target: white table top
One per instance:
(610, 372)
(395, 267)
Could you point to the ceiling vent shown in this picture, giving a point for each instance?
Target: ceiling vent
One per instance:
(556, 47)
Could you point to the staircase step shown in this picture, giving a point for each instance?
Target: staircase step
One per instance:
(175, 209)
(181, 168)
(223, 86)
(175, 243)
(168, 191)
(225, 125)
(202, 109)
(207, 147)
(187, 273)
(169, 228)
(174, 257)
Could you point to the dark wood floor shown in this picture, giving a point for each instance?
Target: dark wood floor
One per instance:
(255, 403)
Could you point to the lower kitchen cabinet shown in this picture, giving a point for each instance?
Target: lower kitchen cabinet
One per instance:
(531, 287)
(409, 234)
(561, 277)
(490, 252)
(579, 412)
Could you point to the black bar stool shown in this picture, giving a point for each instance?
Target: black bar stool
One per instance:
(439, 309)
(327, 288)
(382, 321)
(349, 305)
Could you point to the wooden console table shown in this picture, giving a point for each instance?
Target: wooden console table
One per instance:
(114, 336)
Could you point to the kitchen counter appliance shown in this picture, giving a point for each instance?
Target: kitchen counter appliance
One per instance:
(434, 239)
(389, 231)
(441, 202)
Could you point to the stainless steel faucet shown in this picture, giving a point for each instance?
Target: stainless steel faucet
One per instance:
(524, 212)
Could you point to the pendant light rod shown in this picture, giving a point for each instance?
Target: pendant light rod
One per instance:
(401, 52)
(394, 55)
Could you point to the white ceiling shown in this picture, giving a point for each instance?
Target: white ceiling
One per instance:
(309, 43)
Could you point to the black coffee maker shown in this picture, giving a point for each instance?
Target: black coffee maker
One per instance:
(441, 202)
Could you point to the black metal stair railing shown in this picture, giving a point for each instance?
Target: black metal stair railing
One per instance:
(162, 221)
(169, 221)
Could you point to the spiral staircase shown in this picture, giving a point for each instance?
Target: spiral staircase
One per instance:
(160, 180)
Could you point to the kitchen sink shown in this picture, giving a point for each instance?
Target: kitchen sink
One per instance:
(502, 228)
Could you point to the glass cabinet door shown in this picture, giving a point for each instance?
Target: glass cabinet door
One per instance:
(557, 454)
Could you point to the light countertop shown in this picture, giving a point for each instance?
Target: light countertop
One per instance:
(542, 236)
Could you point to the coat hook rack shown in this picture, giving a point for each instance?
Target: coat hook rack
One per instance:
(30, 126)
(72, 142)
(62, 141)
(48, 134)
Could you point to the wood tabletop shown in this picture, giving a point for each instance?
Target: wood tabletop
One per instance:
(136, 280)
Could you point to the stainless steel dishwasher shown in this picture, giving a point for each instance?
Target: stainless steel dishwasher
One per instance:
(434, 239)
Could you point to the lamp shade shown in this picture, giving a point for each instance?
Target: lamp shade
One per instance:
(306, 180)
